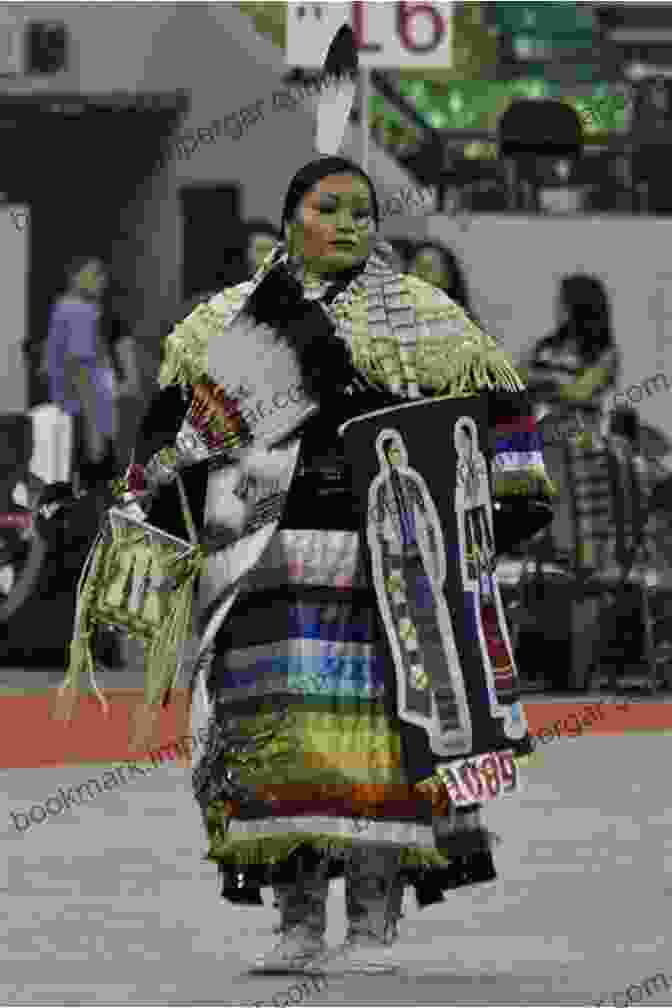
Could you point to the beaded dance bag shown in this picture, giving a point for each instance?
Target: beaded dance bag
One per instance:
(139, 581)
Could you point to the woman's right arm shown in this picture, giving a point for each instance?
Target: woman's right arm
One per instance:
(188, 421)
(154, 443)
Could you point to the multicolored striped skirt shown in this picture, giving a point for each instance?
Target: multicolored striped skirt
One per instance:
(304, 749)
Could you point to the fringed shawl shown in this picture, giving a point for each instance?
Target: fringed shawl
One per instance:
(403, 333)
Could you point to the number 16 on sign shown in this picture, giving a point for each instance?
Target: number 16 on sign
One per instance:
(411, 34)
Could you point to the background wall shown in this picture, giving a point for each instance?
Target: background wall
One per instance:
(14, 247)
(514, 265)
(212, 52)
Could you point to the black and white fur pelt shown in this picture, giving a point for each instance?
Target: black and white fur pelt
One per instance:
(323, 358)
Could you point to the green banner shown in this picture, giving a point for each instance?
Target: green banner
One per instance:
(559, 23)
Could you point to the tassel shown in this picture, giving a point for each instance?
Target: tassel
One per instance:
(145, 730)
(64, 704)
(162, 665)
(80, 659)
(151, 610)
(119, 574)
(138, 580)
(162, 657)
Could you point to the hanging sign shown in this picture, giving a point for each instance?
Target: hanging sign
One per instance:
(417, 35)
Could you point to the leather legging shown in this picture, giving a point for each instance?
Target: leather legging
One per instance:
(373, 896)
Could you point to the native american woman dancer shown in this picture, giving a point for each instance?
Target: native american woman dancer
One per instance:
(304, 771)
(304, 774)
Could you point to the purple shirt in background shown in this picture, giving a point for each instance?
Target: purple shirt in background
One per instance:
(74, 329)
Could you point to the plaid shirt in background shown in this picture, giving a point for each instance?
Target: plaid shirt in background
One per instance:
(552, 368)
(658, 535)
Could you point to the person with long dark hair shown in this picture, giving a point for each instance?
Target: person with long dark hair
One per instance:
(435, 264)
(572, 371)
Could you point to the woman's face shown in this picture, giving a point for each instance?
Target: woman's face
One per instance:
(91, 279)
(428, 266)
(334, 225)
(260, 246)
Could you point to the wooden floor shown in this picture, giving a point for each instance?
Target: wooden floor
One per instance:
(112, 903)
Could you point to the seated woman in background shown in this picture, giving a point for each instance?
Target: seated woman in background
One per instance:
(571, 372)
(435, 264)
(654, 467)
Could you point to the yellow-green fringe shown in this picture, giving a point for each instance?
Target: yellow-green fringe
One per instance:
(80, 659)
(527, 484)
(466, 371)
(458, 360)
(246, 851)
(161, 658)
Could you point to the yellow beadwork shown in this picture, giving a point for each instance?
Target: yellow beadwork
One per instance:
(420, 679)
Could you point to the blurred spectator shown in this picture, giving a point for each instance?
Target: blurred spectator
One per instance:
(653, 108)
(117, 336)
(435, 264)
(128, 385)
(80, 368)
(260, 236)
(574, 368)
(652, 135)
(559, 189)
(614, 193)
(652, 470)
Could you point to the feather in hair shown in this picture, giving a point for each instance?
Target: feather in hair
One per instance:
(338, 85)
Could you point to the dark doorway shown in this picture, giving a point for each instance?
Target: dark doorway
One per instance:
(76, 162)
(212, 238)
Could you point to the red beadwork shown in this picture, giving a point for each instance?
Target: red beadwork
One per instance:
(135, 478)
